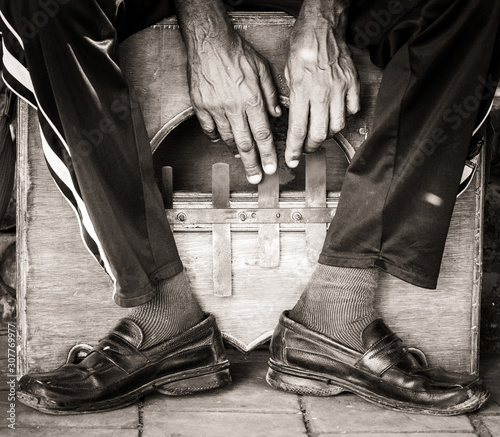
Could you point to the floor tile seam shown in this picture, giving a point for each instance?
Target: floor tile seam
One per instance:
(479, 426)
(140, 417)
(306, 415)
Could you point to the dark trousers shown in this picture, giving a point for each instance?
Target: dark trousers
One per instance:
(441, 68)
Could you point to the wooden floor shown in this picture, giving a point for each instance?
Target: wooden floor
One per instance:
(250, 408)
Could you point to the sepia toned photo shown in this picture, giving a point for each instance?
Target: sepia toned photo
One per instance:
(250, 217)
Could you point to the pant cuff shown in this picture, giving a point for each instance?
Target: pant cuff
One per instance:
(127, 299)
(420, 279)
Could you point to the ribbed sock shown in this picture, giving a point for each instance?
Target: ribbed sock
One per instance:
(173, 310)
(339, 303)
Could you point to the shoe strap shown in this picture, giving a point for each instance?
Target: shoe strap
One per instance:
(383, 355)
(121, 353)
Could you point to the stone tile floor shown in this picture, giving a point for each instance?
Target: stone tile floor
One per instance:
(250, 408)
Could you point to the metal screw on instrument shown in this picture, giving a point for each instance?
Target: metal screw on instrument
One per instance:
(242, 216)
(297, 216)
(181, 217)
(363, 131)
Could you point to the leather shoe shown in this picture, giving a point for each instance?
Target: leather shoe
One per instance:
(116, 373)
(388, 373)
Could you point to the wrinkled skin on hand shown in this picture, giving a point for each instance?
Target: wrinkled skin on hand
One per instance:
(324, 87)
(233, 93)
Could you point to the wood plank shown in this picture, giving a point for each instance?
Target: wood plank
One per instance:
(26, 139)
(315, 197)
(269, 234)
(479, 184)
(167, 183)
(221, 233)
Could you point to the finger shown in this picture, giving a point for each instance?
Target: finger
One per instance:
(353, 99)
(263, 136)
(246, 146)
(226, 133)
(319, 126)
(297, 129)
(208, 125)
(269, 91)
(337, 112)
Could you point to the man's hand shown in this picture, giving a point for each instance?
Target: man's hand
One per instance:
(323, 80)
(231, 88)
(232, 92)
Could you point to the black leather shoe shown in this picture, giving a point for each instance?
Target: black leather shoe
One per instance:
(387, 374)
(116, 374)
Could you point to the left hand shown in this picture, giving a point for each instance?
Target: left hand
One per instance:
(324, 87)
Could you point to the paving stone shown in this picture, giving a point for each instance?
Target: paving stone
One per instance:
(213, 424)
(125, 418)
(348, 413)
(249, 391)
(493, 424)
(32, 423)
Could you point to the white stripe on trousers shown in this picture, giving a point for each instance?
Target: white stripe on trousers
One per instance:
(21, 74)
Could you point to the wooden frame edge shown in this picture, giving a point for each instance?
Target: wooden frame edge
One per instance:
(23, 183)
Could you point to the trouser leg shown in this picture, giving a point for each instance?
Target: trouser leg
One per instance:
(61, 56)
(441, 69)
(441, 60)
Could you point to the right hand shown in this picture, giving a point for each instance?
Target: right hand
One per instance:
(324, 86)
(232, 93)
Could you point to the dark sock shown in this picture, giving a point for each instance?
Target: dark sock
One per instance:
(173, 310)
(339, 303)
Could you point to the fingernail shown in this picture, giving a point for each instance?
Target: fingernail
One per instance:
(278, 109)
(269, 168)
(293, 164)
(254, 179)
(215, 141)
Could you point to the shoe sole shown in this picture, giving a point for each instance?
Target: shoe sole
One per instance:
(311, 384)
(179, 384)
